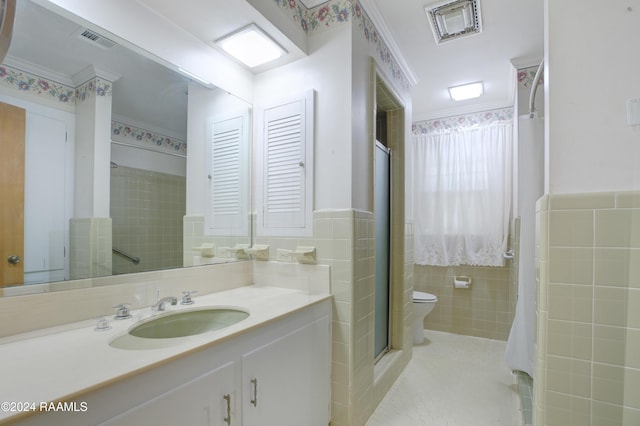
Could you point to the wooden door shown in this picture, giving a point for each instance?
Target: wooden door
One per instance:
(12, 149)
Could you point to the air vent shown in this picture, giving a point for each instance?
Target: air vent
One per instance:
(453, 19)
(95, 38)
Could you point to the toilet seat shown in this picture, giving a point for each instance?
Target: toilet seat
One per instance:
(422, 297)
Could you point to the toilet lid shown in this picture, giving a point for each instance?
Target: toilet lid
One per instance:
(419, 296)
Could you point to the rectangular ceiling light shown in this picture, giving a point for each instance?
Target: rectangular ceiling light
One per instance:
(466, 91)
(454, 18)
(251, 46)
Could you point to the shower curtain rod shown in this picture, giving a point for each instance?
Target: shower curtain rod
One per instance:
(534, 89)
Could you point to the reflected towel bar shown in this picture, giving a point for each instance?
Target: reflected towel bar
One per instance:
(119, 252)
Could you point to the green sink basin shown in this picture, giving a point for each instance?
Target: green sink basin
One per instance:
(155, 332)
(188, 323)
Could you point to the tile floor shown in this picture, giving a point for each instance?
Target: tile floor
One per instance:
(452, 380)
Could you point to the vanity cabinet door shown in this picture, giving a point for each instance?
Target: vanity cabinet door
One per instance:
(286, 382)
(206, 400)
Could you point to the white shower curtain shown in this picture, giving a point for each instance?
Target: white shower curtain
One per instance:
(520, 345)
(462, 194)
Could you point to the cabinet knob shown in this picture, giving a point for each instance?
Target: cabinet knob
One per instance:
(13, 259)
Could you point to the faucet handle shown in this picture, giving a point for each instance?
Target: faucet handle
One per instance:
(102, 324)
(186, 297)
(122, 311)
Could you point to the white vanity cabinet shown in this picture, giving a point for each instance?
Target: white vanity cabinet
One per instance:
(284, 381)
(285, 364)
(205, 400)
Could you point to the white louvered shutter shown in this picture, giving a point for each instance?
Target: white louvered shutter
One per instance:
(288, 167)
(227, 210)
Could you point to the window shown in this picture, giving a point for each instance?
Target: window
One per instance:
(462, 195)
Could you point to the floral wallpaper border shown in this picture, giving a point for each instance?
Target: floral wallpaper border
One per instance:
(67, 95)
(27, 82)
(526, 77)
(336, 12)
(95, 86)
(462, 121)
(132, 135)
(320, 17)
(40, 86)
(370, 33)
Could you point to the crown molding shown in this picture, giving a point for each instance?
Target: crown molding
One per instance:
(91, 72)
(378, 21)
(38, 70)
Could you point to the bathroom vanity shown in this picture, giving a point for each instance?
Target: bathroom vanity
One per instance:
(272, 368)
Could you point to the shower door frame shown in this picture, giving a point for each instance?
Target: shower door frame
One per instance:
(383, 98)
(380, 351)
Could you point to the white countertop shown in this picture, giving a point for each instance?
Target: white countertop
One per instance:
(61, 363)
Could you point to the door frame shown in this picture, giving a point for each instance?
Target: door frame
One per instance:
(66, 114)
(384, 98)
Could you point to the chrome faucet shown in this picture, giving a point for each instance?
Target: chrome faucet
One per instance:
(159, 306)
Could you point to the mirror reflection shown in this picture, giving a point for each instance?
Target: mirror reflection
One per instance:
(103, 151)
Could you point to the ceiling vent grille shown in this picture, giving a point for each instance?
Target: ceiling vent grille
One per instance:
(454, 19)
(95, 38)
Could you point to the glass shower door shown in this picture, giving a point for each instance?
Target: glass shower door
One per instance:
(382, 158)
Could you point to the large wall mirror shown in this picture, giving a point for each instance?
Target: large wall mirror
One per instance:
(76, 86)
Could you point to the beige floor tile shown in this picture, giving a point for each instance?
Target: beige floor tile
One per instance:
(452, 380)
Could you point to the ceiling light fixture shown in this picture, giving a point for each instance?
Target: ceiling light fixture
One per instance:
(466, 91)
(453, 19)
(251, 46)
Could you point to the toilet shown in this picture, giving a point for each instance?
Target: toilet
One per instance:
(423, 303)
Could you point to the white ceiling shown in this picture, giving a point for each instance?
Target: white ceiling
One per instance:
(145, 93)
(210, 20)
(511, 29)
